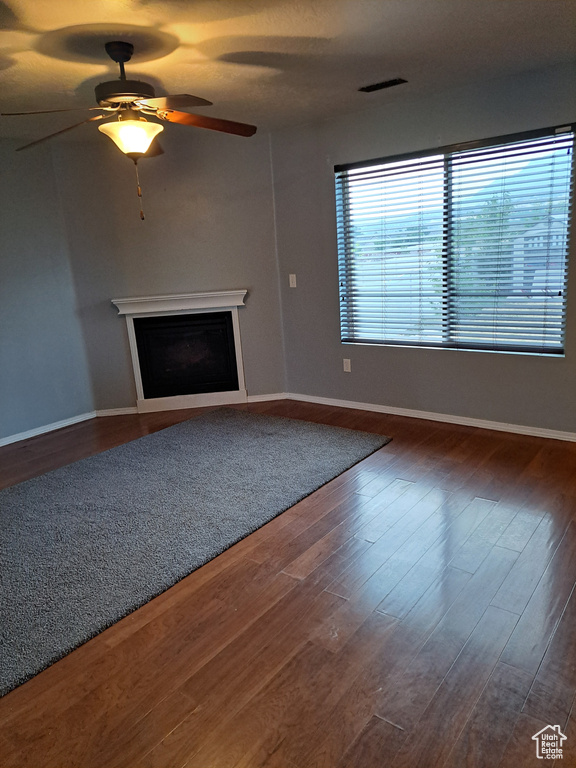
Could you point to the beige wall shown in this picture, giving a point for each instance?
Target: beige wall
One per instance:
(222, 215)
(208, 227)
(44, 371)
(73, 240)
(514, 389)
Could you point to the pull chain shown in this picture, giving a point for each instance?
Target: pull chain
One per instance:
(139, 189)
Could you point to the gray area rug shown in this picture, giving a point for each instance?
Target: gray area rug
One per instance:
(85, 545)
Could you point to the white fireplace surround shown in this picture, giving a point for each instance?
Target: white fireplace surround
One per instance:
(184, 304)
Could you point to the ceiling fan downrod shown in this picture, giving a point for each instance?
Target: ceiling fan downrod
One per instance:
(120, 52)
(109, 93)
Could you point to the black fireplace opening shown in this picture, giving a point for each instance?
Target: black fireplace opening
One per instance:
(187, 354)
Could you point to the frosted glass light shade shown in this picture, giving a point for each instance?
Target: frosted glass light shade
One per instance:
(132, 136)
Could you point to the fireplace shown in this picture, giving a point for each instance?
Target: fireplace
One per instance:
(186, 349)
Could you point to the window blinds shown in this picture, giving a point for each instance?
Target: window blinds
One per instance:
(465, 247)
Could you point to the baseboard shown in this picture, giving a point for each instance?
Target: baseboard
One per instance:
(518, 429)
(47, 428)
(267, 398)
(154, 404)
(117, 412)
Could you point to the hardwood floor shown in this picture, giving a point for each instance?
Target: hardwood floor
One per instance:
(419, 610)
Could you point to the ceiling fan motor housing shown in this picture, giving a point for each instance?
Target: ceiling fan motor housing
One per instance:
(119, 51)
(115, 92)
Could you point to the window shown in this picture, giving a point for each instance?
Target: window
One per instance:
(462, 247)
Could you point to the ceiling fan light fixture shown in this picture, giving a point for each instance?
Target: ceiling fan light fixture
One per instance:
(132, 136)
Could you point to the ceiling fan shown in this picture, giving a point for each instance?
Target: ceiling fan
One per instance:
(127, 101)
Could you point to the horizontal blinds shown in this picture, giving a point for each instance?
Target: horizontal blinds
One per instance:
(465, 249)
(390, 232)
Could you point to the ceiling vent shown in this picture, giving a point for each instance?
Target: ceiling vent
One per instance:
(380, 86)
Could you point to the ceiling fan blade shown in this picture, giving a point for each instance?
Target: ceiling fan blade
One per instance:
(211, 123)
(176, 101)
(51, 135)
(47, 111)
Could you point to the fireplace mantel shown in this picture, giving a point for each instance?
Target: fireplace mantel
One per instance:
(184, 302)
(179, 304)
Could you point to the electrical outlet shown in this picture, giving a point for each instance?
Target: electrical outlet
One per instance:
(292, 281)
(347, 366)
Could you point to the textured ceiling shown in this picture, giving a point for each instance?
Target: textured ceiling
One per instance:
(269, 62)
